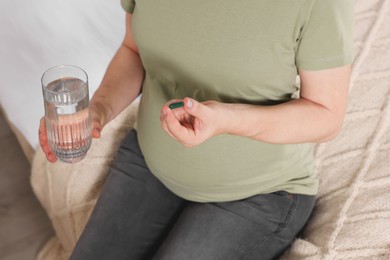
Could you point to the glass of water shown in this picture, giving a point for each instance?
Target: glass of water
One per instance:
(68, 123)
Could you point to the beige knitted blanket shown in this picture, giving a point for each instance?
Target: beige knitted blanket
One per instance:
(352, 216)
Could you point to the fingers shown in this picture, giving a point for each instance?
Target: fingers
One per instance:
(96, 129)
(194, 107)
(173, 107)
(43, 141)
(194, 122)
(51, 157)
(43, 136)
(97, 122)
(165, 111)
(180, 131)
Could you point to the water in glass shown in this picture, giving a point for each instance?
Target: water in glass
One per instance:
(67, 118)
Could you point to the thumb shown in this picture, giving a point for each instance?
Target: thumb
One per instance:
(98, 116)
(97, 123)
(193, 107)
(96, 129)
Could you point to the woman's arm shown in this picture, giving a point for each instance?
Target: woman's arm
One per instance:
(121, 83)
(317, 116)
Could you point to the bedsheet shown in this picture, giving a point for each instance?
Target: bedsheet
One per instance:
(36, 35)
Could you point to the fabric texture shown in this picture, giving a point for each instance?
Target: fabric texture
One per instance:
(235, 53)
(259, 227)
(352, 215)
(135, 212)
(128, 5)
(328, 24)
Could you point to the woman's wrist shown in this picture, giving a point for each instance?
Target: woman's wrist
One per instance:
(243, 120)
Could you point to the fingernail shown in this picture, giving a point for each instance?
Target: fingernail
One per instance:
(189, 103)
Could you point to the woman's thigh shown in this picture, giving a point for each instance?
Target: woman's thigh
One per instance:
(134, 211)
(260, 227)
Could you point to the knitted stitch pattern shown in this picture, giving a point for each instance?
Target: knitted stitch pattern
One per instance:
(352, 215)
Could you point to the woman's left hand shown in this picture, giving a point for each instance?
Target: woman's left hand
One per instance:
(195, 122)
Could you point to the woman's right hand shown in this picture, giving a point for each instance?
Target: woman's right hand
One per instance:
(98, 121)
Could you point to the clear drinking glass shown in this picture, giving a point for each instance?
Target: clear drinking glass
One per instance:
(68, 123)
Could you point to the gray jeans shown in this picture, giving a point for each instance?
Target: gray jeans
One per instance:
(138, 218)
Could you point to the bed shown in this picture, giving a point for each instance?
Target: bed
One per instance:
(352, 216)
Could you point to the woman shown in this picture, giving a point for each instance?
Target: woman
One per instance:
(227, 173)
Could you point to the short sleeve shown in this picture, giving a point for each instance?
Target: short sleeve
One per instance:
(128, 5)
(326, 39)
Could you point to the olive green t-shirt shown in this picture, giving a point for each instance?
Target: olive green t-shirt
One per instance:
(235, 52)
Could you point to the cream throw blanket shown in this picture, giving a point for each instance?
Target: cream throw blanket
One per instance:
(352, 216)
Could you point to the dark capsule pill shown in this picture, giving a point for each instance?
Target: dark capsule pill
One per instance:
(176, 105)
